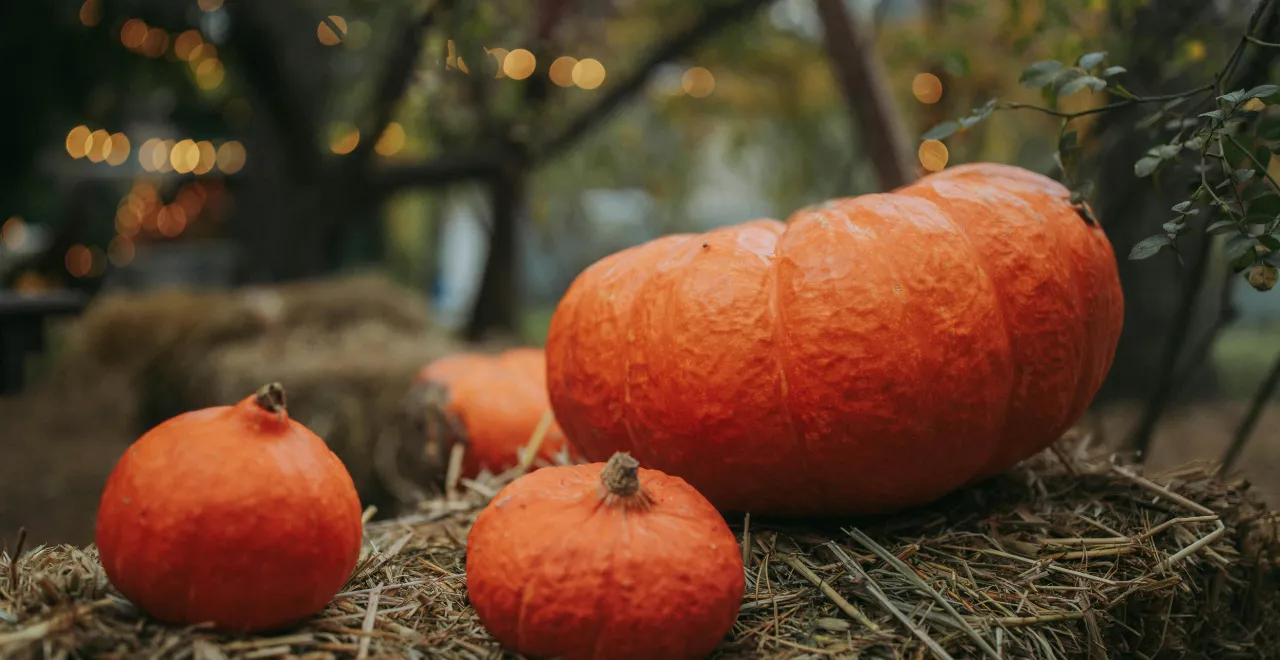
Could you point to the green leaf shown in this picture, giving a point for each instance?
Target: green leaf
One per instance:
(1165, 151)
(1222, 227)
(1169, 105)
(1260, 91)
(1268, 206)
(1090, 60)
(1242, 175)
(1173, 226)
(1233, 97)
(1270, 241)
(1212, 114)
(1145, 166)
(1113, 71)
(1239, 246)
(941, 131)
(1194, 143)
(1039, 74)
(1150, 246)
(1181, 207)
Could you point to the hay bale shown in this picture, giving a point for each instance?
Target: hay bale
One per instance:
(1084, 561)
(345, 348)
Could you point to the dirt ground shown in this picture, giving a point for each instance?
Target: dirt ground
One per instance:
(59, 446)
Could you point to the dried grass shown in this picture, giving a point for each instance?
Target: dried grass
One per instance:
(1066, 556)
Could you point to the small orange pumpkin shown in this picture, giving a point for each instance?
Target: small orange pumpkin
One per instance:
(491, 402)
(234, 515)
(604, 560)
(868, 355)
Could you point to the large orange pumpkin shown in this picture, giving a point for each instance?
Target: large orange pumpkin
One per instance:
(493, 403)
(235, 515)
(870, 354)
(604, 561)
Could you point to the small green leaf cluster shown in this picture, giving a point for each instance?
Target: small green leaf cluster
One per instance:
(1228, 146)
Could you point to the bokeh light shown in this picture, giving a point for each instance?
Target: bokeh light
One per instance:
(155, 43)
(326, 34)
(90, 13)
(933, 155)
(231, 157)
(97, 261)
(78, 142)
(128, 218)
(926, 87)
(13, 233)
(1196, 50)
(343, 137)
(117, 149)
(79, 261)
(120, 251)
(358, 36)
(191, 198)
(588, 73)
(519, 64)
(146, 154)
(208, 157)
(171, 221)
(499, 56)
(99, 146)
(160, 157)
(186, 43)
(561, 72)
(698, 82)
(210, 73)
(392, 140)
(185, 156)
(132, 33)
(210, 5)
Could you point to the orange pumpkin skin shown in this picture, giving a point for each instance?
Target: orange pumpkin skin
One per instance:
(234, 515)
(556, 568)
(499, 401)
(871, 354)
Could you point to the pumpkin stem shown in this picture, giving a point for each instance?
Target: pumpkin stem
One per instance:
(620, 482)
(270, 397)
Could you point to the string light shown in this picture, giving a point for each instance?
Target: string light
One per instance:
(325, 33)
(561, 72)
(79, 261)
(588, 73)
(698, 82)
(90, 13)
(926, 87)
(933, 155)
(99, 146)
(519, 64)
(13, 233)
(78, 142)
(231, 157)
(117, 149)
(392, 140)
(120, 251)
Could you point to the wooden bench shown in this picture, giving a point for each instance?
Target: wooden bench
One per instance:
(22, 329)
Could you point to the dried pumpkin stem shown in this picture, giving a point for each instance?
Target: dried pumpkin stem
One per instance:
(620, 482)
(270, 397)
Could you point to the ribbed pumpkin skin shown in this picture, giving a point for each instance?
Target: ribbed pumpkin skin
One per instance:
(553, 571)
(499, 400)
(232, 515)
(871, 354)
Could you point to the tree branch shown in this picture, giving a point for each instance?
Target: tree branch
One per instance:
(865, 94)
(1250, 421)
(396, 74)
(1142, 435)
(712, 20)
(441, 171)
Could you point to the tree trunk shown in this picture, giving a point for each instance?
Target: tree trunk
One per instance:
(497, 303)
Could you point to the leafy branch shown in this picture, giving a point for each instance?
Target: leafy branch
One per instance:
(1219, 134)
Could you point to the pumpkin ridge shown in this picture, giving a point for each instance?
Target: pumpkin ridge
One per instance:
(778, 353)
(609, 585)
(1001, 309)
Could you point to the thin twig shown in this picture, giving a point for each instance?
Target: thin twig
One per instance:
(891, 559)
(828, 591)
(1256, 407)
(853, 568)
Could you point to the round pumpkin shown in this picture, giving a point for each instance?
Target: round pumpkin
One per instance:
(493, 403)
(870, 354)
(234, 515)
(601, 561)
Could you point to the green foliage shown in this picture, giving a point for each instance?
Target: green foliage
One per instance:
(1226, 138)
